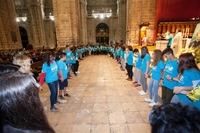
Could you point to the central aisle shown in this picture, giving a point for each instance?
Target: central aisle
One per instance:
(101, 101)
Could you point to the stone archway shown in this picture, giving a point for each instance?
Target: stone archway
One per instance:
(24, 37)
(102, 33)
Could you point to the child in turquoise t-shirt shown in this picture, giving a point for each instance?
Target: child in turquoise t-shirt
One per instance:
(144, 69)
(157, 69)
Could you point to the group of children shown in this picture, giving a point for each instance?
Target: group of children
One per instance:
(177, 76)
(56, 70)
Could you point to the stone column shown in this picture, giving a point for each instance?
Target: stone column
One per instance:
(9, 29)
(83, 19)
(36, 24)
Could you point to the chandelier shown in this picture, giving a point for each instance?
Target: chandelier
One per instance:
(21, 19)
(101, 14)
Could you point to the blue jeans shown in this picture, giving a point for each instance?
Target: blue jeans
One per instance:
(53, 86)
(176, 100)
(153, 89)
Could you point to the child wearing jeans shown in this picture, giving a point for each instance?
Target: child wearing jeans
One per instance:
(157, 69)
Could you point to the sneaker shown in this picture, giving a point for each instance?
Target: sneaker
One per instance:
(61, 97)
(153, 104)
(54, 109)
(67, 95)
(78, 72)
(122, 69)
(142, 93)
(137, 85)
(148, 100)
(57, 102)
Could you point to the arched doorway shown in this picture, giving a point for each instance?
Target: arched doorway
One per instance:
(24, 37)
(102, 33)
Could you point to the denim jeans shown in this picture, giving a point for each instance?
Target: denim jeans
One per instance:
(53, 86)
(176, 100)
(153, 89)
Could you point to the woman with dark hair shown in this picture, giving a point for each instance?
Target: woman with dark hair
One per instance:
(157, 69)
(144, 69)
(8, 68)
(50, 74)
(188, 73)
(129, 64)
(21, 110)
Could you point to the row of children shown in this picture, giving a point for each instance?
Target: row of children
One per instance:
(176, 76)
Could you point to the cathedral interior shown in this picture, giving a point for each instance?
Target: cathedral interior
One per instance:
(50, 23)
(101, 101)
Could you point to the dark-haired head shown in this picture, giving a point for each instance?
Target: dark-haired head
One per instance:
(167, 51)
(144, 51)
(8, 68)
(123, 48)
(130, 48)
(60, 55)
(157, 56)
(48, 57)
(175, 118)
(20, 106)
(135, 50)
(186, 61)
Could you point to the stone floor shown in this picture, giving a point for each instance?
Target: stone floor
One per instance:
(101, 101)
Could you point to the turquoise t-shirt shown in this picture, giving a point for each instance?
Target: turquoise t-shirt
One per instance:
(68, 56)
(138, 62)
(171, 69)
(186, 81)
(156, 70)
(129, 58)
(51, 72)
(170, 40)
(62, 66)
(122, 54)
(144, 61)
(73, 58)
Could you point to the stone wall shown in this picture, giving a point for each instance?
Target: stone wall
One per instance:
(138, 12)
(66, 22)
(9, 30)
(114, 31)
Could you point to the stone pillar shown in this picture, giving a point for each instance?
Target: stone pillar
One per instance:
(122, 19)
(36, 24)
(83, 19)
(140, 11)
(66, 22)
(9, 29)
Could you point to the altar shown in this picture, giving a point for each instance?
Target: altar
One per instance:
(161, 44)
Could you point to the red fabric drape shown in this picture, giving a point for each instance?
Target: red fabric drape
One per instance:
(176, 10)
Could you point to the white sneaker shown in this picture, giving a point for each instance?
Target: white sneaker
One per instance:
(153, 104)
(148, 100)
(77, 72)
(142, 93)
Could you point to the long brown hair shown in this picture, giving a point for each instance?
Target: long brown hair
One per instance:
(186, 61)
(158, 57)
